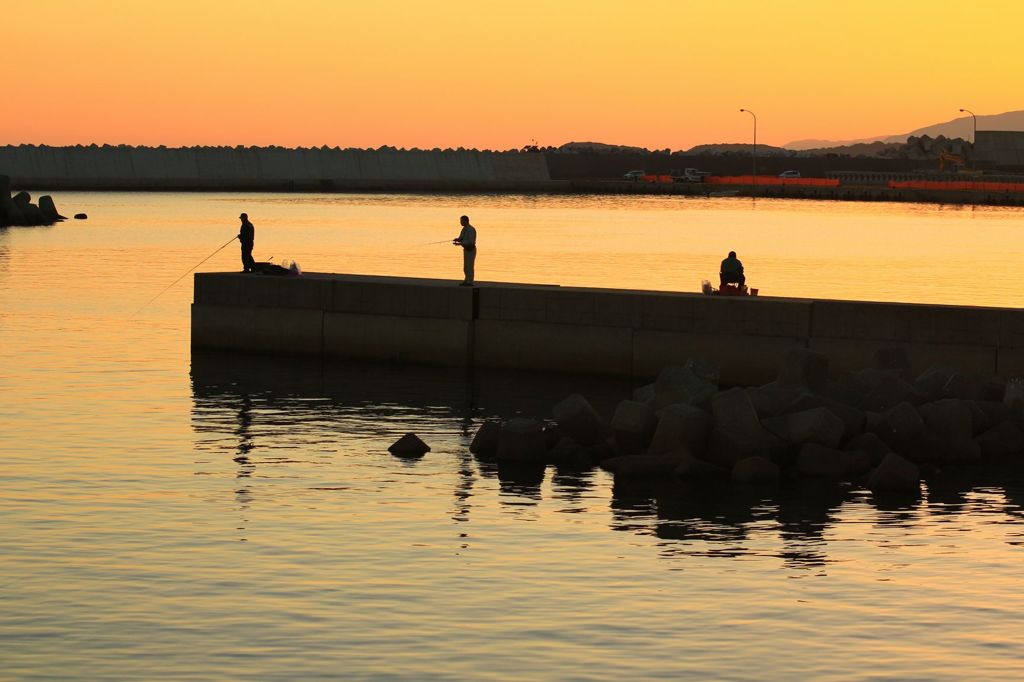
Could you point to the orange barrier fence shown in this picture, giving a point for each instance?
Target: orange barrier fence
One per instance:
(958, 185)
(770, 180)
(657, 178)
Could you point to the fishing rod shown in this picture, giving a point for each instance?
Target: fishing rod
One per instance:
(219, 248)
(443, 241)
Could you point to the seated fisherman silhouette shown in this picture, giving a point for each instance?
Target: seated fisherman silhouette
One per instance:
(732, 271)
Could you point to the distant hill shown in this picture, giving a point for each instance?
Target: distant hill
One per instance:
(876, 148)
(958, 127)
(721, 149)
(801, 145)
(599, 148)
(964, 126)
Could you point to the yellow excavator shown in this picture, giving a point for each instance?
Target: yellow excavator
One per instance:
(957, 164)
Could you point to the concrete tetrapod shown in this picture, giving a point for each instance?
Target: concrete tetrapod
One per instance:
(676, 385)
(522, 440)
(485, 442)
(409, 445)
(896, 474)
(818, 425)
(580, 421)
(682, 426)
(633, 426)
(1002, 440)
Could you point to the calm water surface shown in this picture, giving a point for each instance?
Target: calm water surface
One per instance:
(173, 517)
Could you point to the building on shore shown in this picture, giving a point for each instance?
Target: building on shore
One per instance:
(1001, 149)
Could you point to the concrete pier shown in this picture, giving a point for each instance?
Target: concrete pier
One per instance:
(623, 333)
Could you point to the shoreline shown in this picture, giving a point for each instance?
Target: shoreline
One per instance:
(864, 193)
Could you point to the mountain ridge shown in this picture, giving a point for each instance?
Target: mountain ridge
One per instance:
(962, 127)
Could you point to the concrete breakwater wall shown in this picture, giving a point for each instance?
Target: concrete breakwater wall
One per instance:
(272, 168)
(584, 331)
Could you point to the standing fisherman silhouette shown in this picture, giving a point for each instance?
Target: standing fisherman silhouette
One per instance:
(467, 240)
(247, 235)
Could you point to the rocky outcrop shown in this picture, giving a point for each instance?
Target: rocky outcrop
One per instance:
(19, 209)
(877, 427)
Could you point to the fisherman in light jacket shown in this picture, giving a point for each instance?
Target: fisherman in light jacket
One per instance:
(467, 240)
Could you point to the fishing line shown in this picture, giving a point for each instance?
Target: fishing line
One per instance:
(183, 276)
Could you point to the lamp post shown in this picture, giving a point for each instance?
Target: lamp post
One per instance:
(974, 139)
(748, 111)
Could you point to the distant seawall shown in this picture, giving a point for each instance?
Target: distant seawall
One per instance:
(578, 330)
(325, 169)
(268, 168)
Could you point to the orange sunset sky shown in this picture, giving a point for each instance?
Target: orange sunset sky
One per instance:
(484, 74)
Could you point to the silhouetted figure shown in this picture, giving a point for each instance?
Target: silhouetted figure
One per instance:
(732, 271)
(467, 240)
(247, 235)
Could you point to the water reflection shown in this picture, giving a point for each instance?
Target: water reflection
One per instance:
(277, 420)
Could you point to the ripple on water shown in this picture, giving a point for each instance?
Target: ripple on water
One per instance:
(175, 517)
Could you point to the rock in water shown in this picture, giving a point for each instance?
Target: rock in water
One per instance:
(1002, 440)
(81, 216)
(949, 424)
(896, 474)
(871, 444)
(409, 445)
(522, 440)
(692, 468)
(771, 400)
(7, 208)
(818, 425)
(899, 426)
(485, 442)
(682, 426)
(49, 209)
(737, 432)
(822, 462)
(580, 421)
(734, 412)
(633, 426)
(27, 212)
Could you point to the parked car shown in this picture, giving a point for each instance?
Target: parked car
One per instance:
(634, 175)
(789, 174)
(689, 175)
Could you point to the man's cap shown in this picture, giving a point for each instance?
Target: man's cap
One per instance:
(244, 215)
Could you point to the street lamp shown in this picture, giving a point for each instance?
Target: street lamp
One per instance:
(974, 140)
(748, 111)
